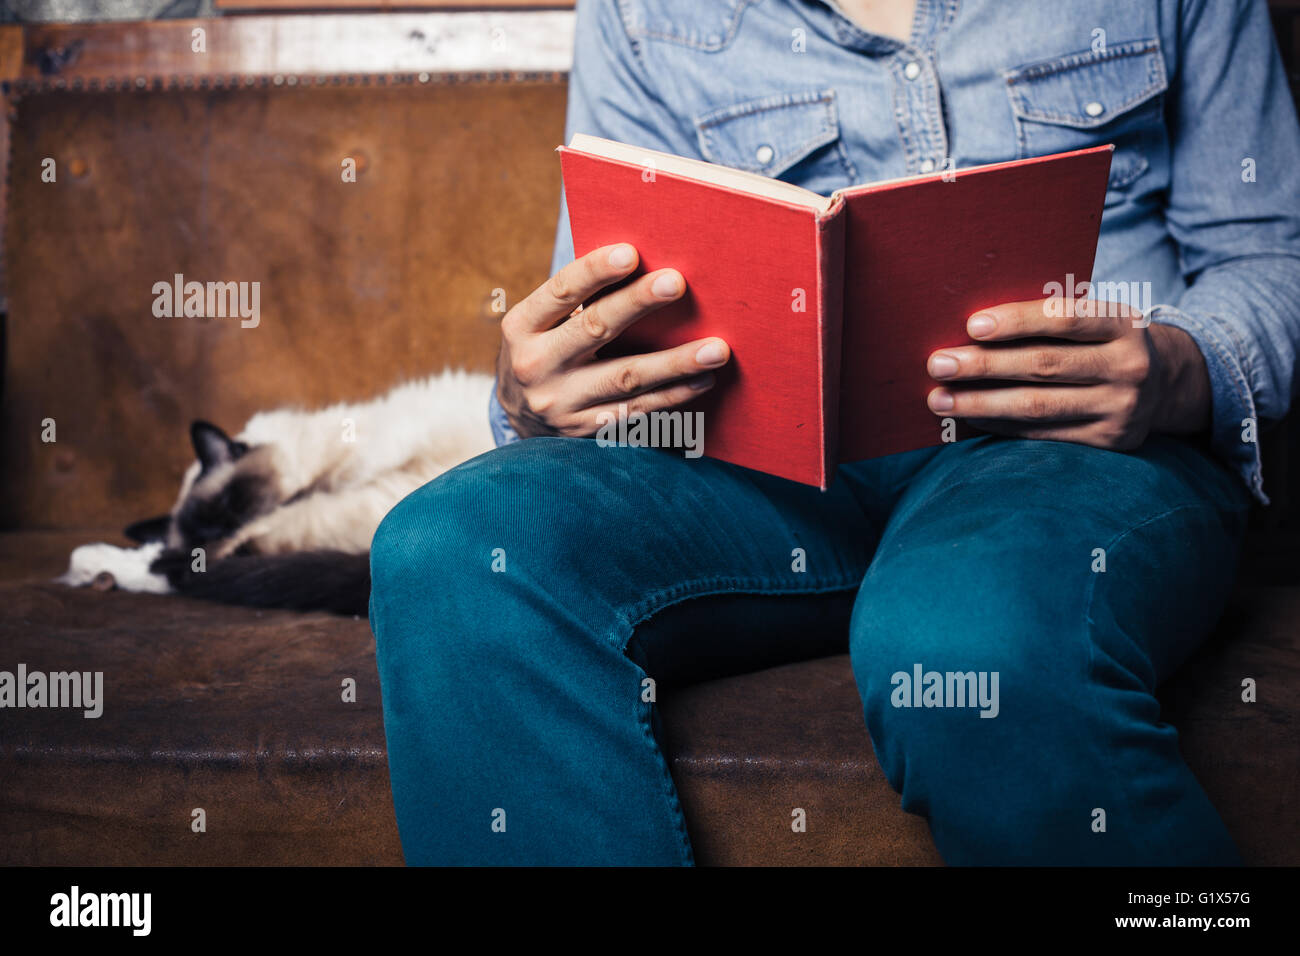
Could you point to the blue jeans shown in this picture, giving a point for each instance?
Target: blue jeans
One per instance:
(519, 603)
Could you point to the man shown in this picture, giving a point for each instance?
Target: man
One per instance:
(1078, 552)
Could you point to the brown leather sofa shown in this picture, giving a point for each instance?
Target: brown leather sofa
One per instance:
(240, 712)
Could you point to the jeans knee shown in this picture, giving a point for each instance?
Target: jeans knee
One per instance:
(464, 514)
(456, 550)
(425, 534)
(945, 680)
(896, 654)
(1003, 622)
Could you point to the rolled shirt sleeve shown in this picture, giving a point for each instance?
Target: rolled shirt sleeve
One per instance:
(503, 433)
(1234, 211)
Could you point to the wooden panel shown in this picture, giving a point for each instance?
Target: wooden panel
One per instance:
(362, 284)
(241, 5)
(292, 48)
(11, 51)
(11, 56)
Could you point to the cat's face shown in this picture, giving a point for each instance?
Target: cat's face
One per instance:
(229, 485)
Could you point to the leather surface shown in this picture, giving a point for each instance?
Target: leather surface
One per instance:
(748, 749)
(240, 712)
(362, 284)
(232, 710)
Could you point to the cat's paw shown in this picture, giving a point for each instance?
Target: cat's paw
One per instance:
(104, 566)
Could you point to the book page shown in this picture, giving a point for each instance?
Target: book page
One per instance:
(738, 179)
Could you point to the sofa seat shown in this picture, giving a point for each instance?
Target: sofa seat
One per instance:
(241, 713)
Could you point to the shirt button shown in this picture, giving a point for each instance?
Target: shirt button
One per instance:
(927, 166)
(912, 70)
(1094, 109)
(764, 154)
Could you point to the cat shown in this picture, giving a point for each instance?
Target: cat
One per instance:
(284, 511)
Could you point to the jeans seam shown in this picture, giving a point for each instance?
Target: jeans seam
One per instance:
(652, 604)
(667, 784)
(1090, 630)
(665, 598)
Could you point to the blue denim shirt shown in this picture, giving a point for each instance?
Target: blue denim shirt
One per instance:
(1204, 193)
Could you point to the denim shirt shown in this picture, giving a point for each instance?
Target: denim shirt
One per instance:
(1202, 215)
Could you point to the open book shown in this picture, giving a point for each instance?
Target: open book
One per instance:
(831, 305)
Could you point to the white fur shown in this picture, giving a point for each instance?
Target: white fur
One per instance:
(361, 458)
(356, 460)
(129, 567)
(438, 422)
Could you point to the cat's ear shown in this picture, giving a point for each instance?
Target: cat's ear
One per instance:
(212, 446)
(150, 529)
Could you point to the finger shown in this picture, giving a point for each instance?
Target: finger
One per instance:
(582, 334)
(551, 302)
(1072, 364)
(1082, 320)
(619, 379)
(1020, 403)
(658, 400)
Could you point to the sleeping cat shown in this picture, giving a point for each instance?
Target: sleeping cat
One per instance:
(285, 510)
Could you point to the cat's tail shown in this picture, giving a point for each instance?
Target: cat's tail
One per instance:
(300, 581)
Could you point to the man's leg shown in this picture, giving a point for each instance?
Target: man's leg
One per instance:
(993, 562)
(505, 595)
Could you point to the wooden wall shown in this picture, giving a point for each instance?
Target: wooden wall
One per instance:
(362, 284)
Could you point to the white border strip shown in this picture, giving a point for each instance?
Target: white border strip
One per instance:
(533, 41)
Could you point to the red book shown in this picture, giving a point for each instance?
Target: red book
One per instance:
(831, 305)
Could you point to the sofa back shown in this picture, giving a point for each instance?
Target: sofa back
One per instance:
(361, 284)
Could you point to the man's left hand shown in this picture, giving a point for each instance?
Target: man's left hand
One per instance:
(1080, 370)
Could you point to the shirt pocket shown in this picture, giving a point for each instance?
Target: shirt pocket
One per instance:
(794, 137)
(1115, 95)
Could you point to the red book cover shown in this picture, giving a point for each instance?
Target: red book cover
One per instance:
(744, 259)
(831, 312)
(925, 254)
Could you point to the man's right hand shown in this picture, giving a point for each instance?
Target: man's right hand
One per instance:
(548, 379)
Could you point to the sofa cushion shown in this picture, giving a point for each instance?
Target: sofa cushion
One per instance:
(235, 711)
(241, 713)
(747, 750)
